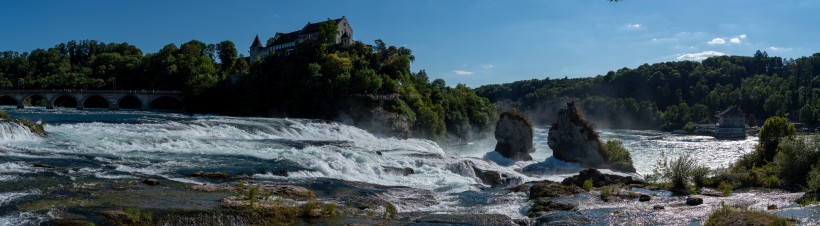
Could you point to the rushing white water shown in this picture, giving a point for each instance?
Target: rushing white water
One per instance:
(135, 145)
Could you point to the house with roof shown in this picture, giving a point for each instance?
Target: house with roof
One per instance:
(284, 43)
(731, 123)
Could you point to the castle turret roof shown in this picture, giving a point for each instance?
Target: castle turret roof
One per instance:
(257, 43)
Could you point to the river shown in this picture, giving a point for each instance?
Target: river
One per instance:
(105, 145)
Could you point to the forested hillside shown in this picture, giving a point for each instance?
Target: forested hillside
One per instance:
(668, 95)
(317, 80)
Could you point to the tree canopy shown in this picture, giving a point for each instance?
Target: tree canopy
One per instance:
(670, 94)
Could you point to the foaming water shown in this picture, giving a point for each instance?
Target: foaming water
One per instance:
(131, 145)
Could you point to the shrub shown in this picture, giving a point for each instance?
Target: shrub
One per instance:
(613, 151)
(606, 192)
(813, 183)
(588, 184)
(795, 158)
(310, 206)
(678, 171)
(329, 209)
(389, 211)
(773, 131)
(699, 176)
(725, 187)
(252, 194)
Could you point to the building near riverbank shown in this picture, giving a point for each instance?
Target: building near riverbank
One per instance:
(731, 124)
(284, 43)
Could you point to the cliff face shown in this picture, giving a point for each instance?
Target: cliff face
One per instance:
(573, 139)
(380, 121)
(514, 135)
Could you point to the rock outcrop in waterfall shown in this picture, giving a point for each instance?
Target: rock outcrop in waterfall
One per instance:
(514, 135)
(573, 139)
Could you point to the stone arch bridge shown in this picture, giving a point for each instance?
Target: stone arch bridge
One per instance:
(141, 98)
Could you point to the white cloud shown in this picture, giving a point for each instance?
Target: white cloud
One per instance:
(780, 49)
(633, 26)
(717, 41)
(487, 66)
(463, 73)
(743, 36)
(735, 40)
(700, 56)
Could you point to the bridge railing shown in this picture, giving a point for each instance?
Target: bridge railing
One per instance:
(144, 91)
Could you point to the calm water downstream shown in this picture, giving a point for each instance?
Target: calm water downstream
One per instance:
(104, 145)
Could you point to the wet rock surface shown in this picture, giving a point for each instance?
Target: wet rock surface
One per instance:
(552, 189)
(514, 135)
(573, 139)
(599, 179)
(694, 201)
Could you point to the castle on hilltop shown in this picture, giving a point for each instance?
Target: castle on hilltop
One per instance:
(284, 43)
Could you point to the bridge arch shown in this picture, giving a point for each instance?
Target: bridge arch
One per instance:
(129, 102)
(64, 101)
(95, 101)
(166, 103)
(37, 100)
(8, 100)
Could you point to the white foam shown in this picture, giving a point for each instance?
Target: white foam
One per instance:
(24, 218)
(12, 131)
(13, 167)
(8, 197)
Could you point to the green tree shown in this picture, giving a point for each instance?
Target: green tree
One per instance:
(774, 130)
(227, 56)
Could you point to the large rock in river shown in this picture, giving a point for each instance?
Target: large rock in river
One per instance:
(573, 139)
(514, 135)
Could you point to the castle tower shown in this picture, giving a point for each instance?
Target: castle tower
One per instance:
(256, 47)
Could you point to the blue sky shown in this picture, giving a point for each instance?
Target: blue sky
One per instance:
(471, 42)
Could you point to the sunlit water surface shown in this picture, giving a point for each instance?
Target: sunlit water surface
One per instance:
(117, 145)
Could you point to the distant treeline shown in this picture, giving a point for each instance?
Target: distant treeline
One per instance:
(316, 80)
(668, 95)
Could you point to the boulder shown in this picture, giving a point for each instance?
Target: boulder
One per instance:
(514, 135)
(546, 205)
(488, 177)
(552, 189)
(694, 201)
(151, 182)
(658, 207)
(644, 198)
(598, 179)
(211, 174)
(398, 171)
(573, 139)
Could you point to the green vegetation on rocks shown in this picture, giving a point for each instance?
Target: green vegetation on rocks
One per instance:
(726, 215)
(614, 153)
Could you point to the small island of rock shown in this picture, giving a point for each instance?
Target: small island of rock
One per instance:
(573, 139)
(514, 135)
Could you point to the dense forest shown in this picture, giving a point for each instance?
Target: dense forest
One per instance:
(671, 94)
(317, 80)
